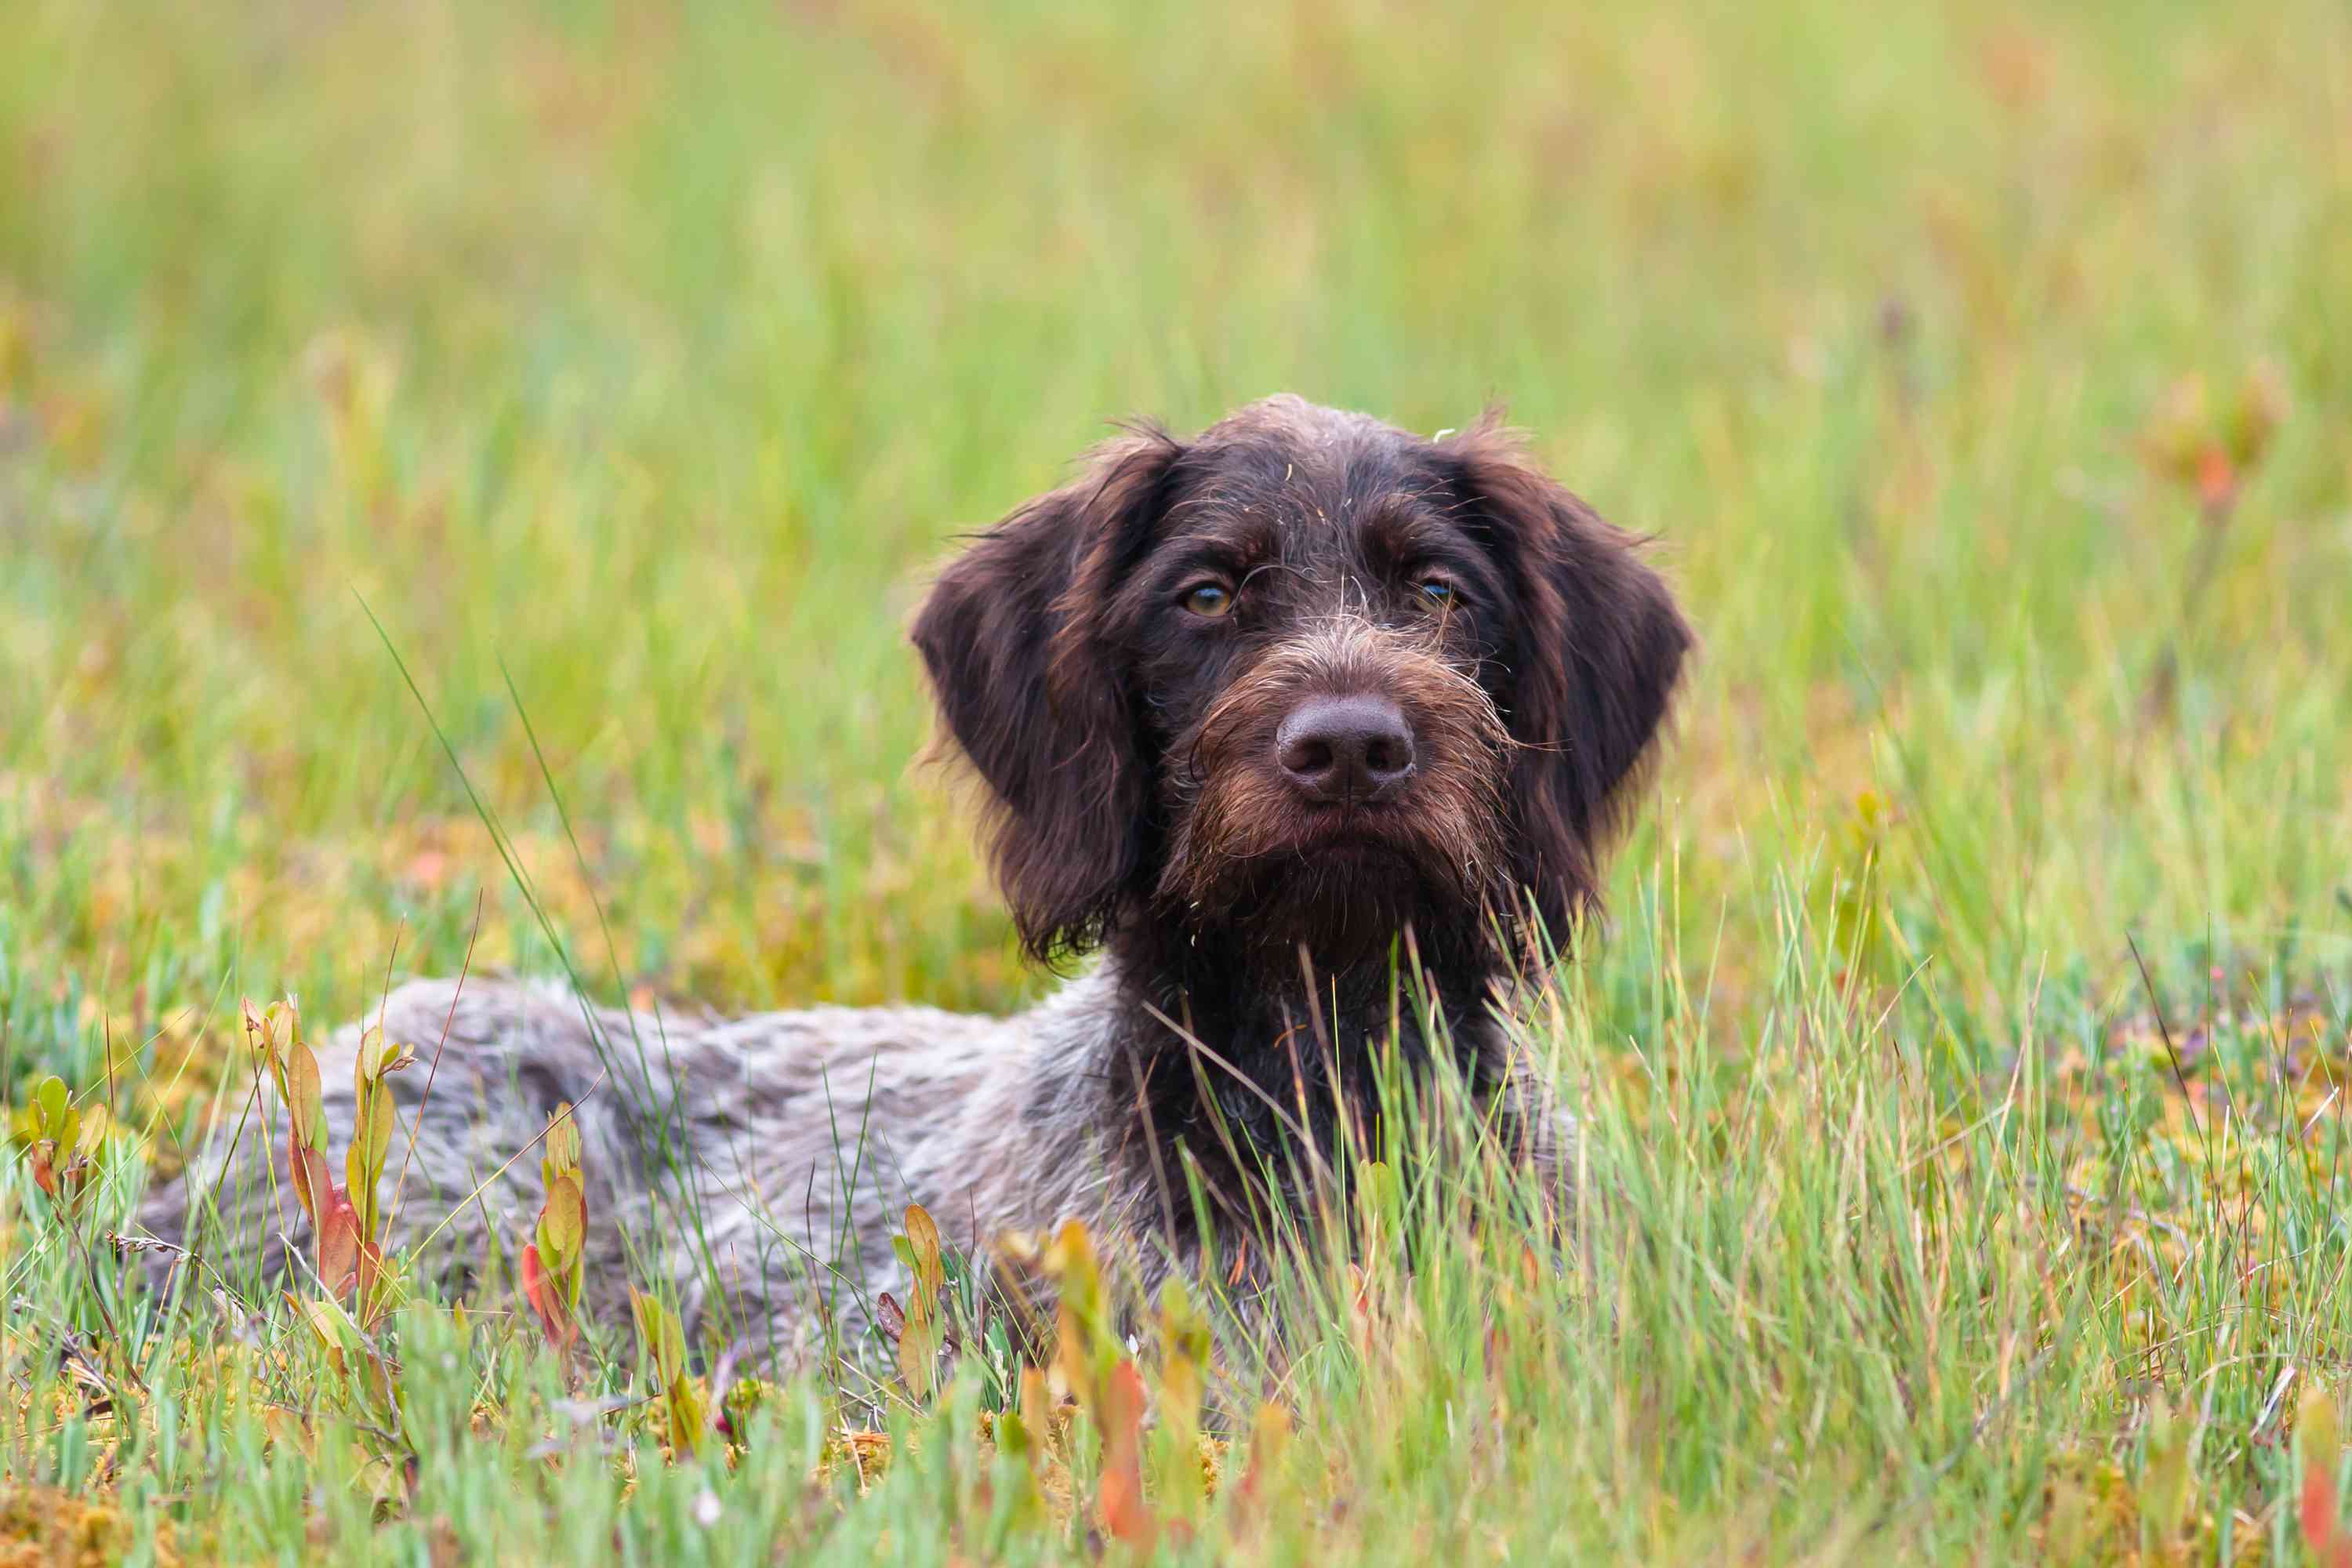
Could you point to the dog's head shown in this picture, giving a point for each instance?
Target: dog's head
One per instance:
(1306, 678)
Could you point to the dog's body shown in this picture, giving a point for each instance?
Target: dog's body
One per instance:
(758, 1164)
(1270, 717)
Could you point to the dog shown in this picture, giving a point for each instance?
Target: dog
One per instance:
(1265, 717)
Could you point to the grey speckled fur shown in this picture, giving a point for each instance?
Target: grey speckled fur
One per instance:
(802, 1136)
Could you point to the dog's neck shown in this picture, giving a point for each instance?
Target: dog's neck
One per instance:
(1228, 1054)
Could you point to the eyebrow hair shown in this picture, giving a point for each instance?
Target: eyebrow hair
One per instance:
(1246, 531)
(1400, 522)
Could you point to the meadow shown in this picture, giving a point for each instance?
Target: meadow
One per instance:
(465, 472)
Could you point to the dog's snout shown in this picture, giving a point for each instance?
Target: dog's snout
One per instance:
(1346, 750)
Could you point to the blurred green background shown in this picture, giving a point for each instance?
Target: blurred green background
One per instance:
(647, 358)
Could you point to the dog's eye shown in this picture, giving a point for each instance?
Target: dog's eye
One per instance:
(1208, 599)
(1435, 592)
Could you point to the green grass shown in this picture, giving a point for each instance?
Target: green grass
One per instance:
(634, 367)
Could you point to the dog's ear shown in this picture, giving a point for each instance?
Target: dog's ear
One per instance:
(1596, 651)
(1012, 638)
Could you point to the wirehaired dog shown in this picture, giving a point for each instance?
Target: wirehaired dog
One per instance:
(1257, 712)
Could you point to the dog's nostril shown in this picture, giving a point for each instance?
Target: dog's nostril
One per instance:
(1306, 755)
(1345, 749)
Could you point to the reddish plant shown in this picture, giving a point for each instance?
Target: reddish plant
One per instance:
(554, 1261)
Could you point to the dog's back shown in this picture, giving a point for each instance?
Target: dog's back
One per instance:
(755, 1165)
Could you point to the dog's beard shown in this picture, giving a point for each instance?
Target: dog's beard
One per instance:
(1249, 860)
(1333, 907)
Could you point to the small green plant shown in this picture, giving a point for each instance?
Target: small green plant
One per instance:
(663, 1340)
(554, 1259)
(61, 1141)
(345, 1220)
(1147, 1486)
(923, 1328)
(2209, 453)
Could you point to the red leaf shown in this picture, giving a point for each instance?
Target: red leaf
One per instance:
(338, 1238)
(2329, 1544)
(2325, 1537)
(308, 1170)
(1119, 1501)
(540, 1289)
(2216, 480)
(43, 1156)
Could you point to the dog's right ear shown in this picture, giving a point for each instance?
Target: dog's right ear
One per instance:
(1013, 637)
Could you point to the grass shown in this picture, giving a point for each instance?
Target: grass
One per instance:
(633, 365)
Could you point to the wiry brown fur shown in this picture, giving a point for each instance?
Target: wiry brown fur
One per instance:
(1139, 803)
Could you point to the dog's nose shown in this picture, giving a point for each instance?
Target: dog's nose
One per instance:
(1345, 750)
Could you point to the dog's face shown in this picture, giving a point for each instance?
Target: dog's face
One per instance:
(1306, 679)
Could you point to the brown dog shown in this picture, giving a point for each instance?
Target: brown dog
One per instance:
(1260, 706)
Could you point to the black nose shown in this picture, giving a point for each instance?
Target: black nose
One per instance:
(1345, 750)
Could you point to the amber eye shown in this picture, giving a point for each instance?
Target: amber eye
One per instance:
(1435, 592)
(1209, 599)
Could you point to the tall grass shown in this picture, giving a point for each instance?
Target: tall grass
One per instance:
(632, 366)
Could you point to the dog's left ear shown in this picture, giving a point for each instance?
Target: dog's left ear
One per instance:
(1596, 653)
